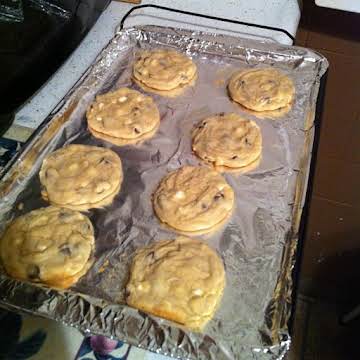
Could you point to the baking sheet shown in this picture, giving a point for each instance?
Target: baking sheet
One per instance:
(259, 241)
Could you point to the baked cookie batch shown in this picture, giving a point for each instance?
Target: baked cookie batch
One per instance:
(180, 279)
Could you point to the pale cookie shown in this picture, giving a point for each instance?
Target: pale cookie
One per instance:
(52, 246)
(262, 89)
(181, 280)
(124, 114)
(193, 199)
(227, 140)
(164, 69)
(81, 177)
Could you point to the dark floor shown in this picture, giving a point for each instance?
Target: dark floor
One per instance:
(329, 284)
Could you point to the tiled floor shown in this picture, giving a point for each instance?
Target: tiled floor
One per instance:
(330, 273)
(34, 338)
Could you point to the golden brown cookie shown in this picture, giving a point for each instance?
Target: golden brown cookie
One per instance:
(227, 140)
(164, 69)
(124, 116)
(81, 177)
(52, 246)
(181, 280)
(193, 199)
(262, 89)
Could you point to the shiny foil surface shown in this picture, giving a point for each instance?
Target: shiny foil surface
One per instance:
(257, 245)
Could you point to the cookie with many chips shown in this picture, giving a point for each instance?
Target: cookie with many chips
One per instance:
(51, 245)
(181, 280)
(163, 71)
(227, 140)
(123, 117)
(81, 177)
(193, 199)
(264, 89)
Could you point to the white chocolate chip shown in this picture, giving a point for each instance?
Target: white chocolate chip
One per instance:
(122, 99)
(101, 105)
(73, 166)
(198, 292)
(179, 194)
(99, 118)
(144, 286)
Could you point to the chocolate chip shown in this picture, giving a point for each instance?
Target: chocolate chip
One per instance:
(234, 157)
(242, 82)
(222, 114)
(49, 173)
(137, 131)
(86, 227)
(65, 250)
(104, 161)
(204, 206)
(219, 196)
(151, 255)
(33, 272)
(136, 111)
(63, 215)
(202, 125)
(247, 142)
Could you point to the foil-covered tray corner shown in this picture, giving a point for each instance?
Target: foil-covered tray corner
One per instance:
(258, 245)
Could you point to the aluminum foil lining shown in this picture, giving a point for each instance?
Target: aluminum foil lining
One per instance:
(258, 243)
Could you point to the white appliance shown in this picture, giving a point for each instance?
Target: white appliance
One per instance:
(346, 5)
